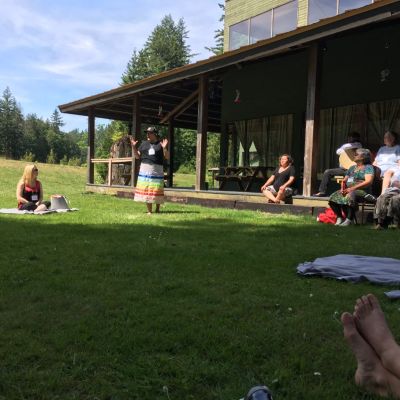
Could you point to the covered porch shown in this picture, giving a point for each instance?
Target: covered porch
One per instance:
(301, 93)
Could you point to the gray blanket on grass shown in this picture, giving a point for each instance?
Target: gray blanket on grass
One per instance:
(16, 211)
(353, 268)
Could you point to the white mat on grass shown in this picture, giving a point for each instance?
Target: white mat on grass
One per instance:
(16, 211)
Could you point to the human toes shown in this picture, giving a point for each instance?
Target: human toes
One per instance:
(373, 302)
(349, 327)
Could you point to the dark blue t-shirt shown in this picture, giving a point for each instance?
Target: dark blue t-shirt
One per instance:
(151, 153)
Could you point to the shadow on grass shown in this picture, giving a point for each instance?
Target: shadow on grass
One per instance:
(204, 307)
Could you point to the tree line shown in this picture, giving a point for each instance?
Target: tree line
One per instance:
(32, 138)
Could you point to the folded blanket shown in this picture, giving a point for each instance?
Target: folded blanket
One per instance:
(16, 211)
(353, 268)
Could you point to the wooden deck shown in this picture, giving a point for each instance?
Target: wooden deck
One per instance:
(218, 198)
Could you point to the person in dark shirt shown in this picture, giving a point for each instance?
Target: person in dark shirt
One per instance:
(279, 184)
(30, 191)
(150, 185)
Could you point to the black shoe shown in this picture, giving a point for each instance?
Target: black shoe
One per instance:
(369, 198)
(320, 194)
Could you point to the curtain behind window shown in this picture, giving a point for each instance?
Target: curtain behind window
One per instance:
(335, 125)
(382, 116)
(271, 136)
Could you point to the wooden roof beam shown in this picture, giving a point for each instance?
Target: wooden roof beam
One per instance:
(180, 108)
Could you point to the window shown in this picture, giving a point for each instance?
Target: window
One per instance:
(239, 35)
(345, 5)
(285, 18)
(260, 27)
(273, 22)
(320, 9)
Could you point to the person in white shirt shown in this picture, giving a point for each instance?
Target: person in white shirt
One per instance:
(353, 142)
(389, 154)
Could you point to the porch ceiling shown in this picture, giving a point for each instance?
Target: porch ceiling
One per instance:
(155, 105)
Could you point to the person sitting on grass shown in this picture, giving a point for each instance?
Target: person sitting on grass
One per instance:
(374, 347)
(278, 185)
(355, 186)
(30, 191)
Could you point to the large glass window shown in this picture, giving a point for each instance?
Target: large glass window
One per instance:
(260, 27)
(345, 5)
(285, 18)
(239, 35)
(273, 22)
(320, 9)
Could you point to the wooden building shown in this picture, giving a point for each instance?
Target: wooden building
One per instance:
(297, 92)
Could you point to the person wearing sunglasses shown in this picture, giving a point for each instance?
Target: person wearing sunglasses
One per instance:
(30, 191)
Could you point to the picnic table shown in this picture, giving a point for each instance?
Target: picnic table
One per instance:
(243, 176)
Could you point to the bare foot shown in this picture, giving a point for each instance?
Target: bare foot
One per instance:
(370, 373)
(372, 325)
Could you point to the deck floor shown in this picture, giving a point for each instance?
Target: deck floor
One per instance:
(224, 199)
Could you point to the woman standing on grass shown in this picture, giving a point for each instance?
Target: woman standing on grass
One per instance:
(30, 191)
(150, 185)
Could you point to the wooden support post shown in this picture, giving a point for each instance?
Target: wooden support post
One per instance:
(90, 152)
(235, 147)
(312, 122)
(137, 134)
(171, 145)
(109, 172)
(202, 126)
(223, 146)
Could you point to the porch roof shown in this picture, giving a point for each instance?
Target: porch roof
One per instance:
(162, 93)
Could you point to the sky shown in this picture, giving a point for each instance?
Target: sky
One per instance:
(53, 52)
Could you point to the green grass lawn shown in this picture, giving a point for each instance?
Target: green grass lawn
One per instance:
(109, 303)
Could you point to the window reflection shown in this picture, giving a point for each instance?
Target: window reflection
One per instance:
(285, 18)
(239, 35)
(260, 27)
(345, 5)
(320, 9)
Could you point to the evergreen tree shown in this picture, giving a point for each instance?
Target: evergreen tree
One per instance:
(56, 121)
(164, 49)
(218, 48)
(11, 126)
(35, 140)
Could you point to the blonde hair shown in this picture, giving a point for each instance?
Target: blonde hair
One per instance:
(27, 176)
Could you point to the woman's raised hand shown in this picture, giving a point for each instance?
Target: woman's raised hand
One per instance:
(133, 141)
(164, 143)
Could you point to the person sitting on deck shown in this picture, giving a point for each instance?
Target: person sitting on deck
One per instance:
(353, 142)
(278, 185)
(389, 154)
(374, 347)
(355, 186)
(387, 205)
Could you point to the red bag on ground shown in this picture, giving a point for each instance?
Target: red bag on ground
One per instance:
(327, 217)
